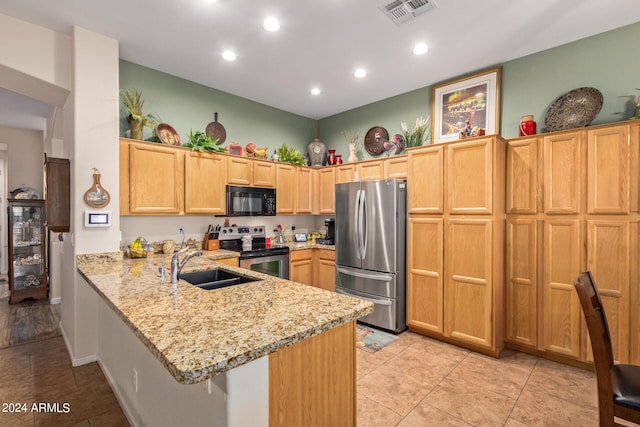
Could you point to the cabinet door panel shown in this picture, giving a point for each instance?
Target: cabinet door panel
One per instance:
(522, 172)
(470, 177)
(425, 273)
(238, 170)
(608, 260)
(264, 174)
(304, 193)
(521, 281)
(371, 170)
(156, 179)
(395, 167)
(326, 270)
(468, 287)
(425, 181)
(205, 175)
(326, 192)
(608, 170)
(562, 173)
(344, 173)
(562, 312)
(286, 178)
(301, 266)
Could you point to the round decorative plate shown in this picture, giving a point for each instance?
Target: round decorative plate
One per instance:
(575, 109)
(374, 140)
(167, 134)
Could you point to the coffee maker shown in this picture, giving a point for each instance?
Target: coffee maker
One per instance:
(330, 225)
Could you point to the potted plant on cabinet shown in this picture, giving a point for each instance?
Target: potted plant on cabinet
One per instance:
(133, 102)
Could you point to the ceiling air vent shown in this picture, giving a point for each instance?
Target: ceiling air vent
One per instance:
(401, 11)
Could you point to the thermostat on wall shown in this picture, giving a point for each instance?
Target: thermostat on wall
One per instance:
(97, 218)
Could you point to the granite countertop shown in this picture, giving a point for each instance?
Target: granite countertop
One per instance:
(197, 334)
(296, 246)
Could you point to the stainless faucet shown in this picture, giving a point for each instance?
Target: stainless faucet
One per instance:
(176, 264)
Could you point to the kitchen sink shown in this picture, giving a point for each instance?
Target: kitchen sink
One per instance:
(214, 279)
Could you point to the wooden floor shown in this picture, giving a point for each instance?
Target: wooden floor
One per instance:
(35, 369)
(26, 321)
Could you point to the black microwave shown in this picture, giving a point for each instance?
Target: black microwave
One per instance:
(250, 201)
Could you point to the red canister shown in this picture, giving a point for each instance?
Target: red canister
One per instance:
(527, 126)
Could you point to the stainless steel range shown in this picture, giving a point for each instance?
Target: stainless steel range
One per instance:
(255, 254)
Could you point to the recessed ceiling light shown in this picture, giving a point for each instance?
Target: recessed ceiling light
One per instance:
(271, 24)
(315, 91)
(229, 55)
(420, 49)
(360, 73)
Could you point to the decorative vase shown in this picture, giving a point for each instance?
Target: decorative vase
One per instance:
(317, 152)
(527, 126)
(332, 157)
(353, 157)
(136, 128)
(338, 159)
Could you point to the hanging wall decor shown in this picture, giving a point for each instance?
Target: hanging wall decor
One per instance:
(97, 196)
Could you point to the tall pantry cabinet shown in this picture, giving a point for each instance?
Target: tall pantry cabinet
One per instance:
(455, 242)
(572, 205)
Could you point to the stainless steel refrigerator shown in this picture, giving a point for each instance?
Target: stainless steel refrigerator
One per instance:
(370, 248)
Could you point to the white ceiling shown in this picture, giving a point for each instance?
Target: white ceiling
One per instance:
(321, 43)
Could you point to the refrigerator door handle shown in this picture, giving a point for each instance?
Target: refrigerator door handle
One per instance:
(356, 273)
(356, 214)
(363, 224)
(373, 300)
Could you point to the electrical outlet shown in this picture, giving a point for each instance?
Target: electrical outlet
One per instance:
(134, 378)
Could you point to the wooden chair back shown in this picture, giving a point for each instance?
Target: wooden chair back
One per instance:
(600, 343)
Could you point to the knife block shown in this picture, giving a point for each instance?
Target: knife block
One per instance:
(210, 244)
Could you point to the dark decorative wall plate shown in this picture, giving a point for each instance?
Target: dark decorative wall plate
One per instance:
(374, 140)
(575, 109)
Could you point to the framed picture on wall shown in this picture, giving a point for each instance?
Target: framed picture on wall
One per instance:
(469, 106)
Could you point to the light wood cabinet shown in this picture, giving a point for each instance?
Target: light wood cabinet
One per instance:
(345, 173)
(301, 266)
(204, 191)
(325, 191)
(286, 188)
(312, 383)
(572, 205)
(313, 267)
(245, 171)
(325, 269)
(305, 191)
(455, 245)
(153, 178)
(371, 170)
(396, 167)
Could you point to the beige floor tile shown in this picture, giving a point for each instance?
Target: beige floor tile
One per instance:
(540, 409)
(429, 361)
(393, 389)
(564, 382)
(506, 376)
(367, 362)
(425, 415)
(472, 403)
(513, 423)
(405, 340)
(372, 414)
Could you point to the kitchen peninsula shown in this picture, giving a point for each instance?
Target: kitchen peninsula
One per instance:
(269, 352)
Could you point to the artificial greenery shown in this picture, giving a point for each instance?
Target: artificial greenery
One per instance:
(414, 135)
(133, 102)
(202, 142)
(288, 154)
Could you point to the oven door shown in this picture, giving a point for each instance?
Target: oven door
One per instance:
(273, 265)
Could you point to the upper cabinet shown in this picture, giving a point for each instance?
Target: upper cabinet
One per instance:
(426, 169)
(202, 190)
(371, 170)
(286, 175)
(325, 190)
(151, 179)
(244, 171)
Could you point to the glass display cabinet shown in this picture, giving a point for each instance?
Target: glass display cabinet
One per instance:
(27, 250)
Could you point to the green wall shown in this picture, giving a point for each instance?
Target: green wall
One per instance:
(608, 62)
(186, 105)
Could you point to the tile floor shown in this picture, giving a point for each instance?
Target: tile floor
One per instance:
(417, 382)
(414, 382)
